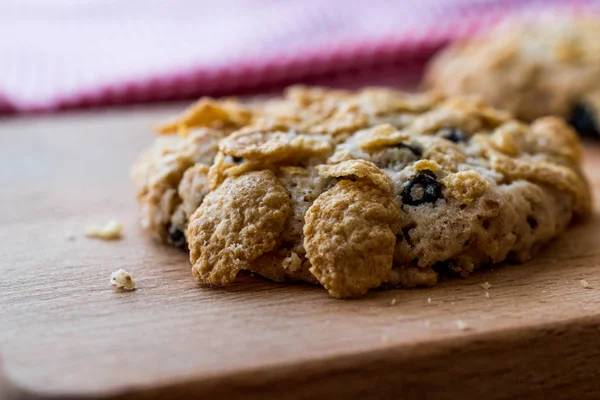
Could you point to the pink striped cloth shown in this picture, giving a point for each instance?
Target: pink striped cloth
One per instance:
(61, 54)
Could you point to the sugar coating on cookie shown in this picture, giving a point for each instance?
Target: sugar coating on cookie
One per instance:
(359, 190)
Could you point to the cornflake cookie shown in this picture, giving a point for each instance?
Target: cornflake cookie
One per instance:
(550, 66)
(358, 190)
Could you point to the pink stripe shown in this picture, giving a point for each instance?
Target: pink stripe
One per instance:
(331, 52)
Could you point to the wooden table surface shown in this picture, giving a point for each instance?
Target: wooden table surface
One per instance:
(64, 331)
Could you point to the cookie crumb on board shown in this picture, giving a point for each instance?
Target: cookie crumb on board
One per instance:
(585, 284)
(460, 324)
(122, 279)
(486, 294)
(486, 285)
(111, 231)
(393, 302)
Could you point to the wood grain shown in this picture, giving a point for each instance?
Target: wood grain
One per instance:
(66, 333)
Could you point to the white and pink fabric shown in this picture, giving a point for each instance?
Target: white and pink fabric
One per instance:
(62, 54)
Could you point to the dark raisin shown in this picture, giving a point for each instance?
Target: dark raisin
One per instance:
(583, 119)
(445, 268)
(431, 188)
(177, 237)
(532, 222)
(454, 135)
(237, 160)
(287, 244)
(414, 148)
(406, 234)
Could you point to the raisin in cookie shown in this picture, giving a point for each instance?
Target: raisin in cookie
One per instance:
(531, 68)
(359, 190)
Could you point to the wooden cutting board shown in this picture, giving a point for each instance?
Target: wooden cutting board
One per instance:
(64, 331)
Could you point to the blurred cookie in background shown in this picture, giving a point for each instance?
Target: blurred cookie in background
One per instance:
(550, 66)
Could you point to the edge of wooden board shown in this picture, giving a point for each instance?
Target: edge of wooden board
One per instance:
(560, 360)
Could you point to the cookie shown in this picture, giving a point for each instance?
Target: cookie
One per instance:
(360, 190)
(158, 173)
(550, 66)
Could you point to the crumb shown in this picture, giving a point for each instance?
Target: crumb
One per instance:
(122, 279)
(392, 302)
(487, 295)
(452, 303)
(429, 300)
(112, 230)
(585, 284)
(292, 263)
(461, 325)
(486, 285)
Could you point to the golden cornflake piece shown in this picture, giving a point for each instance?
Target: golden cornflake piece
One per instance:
(236, 223)
(506, 138)
(275, 146)
(357, 168)
(561, 177)
(466, 186)
(427, 165)
(350, 233)
(551, 135)
(465, 113)
(340, 122)
(382, 136)
(207, 112)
